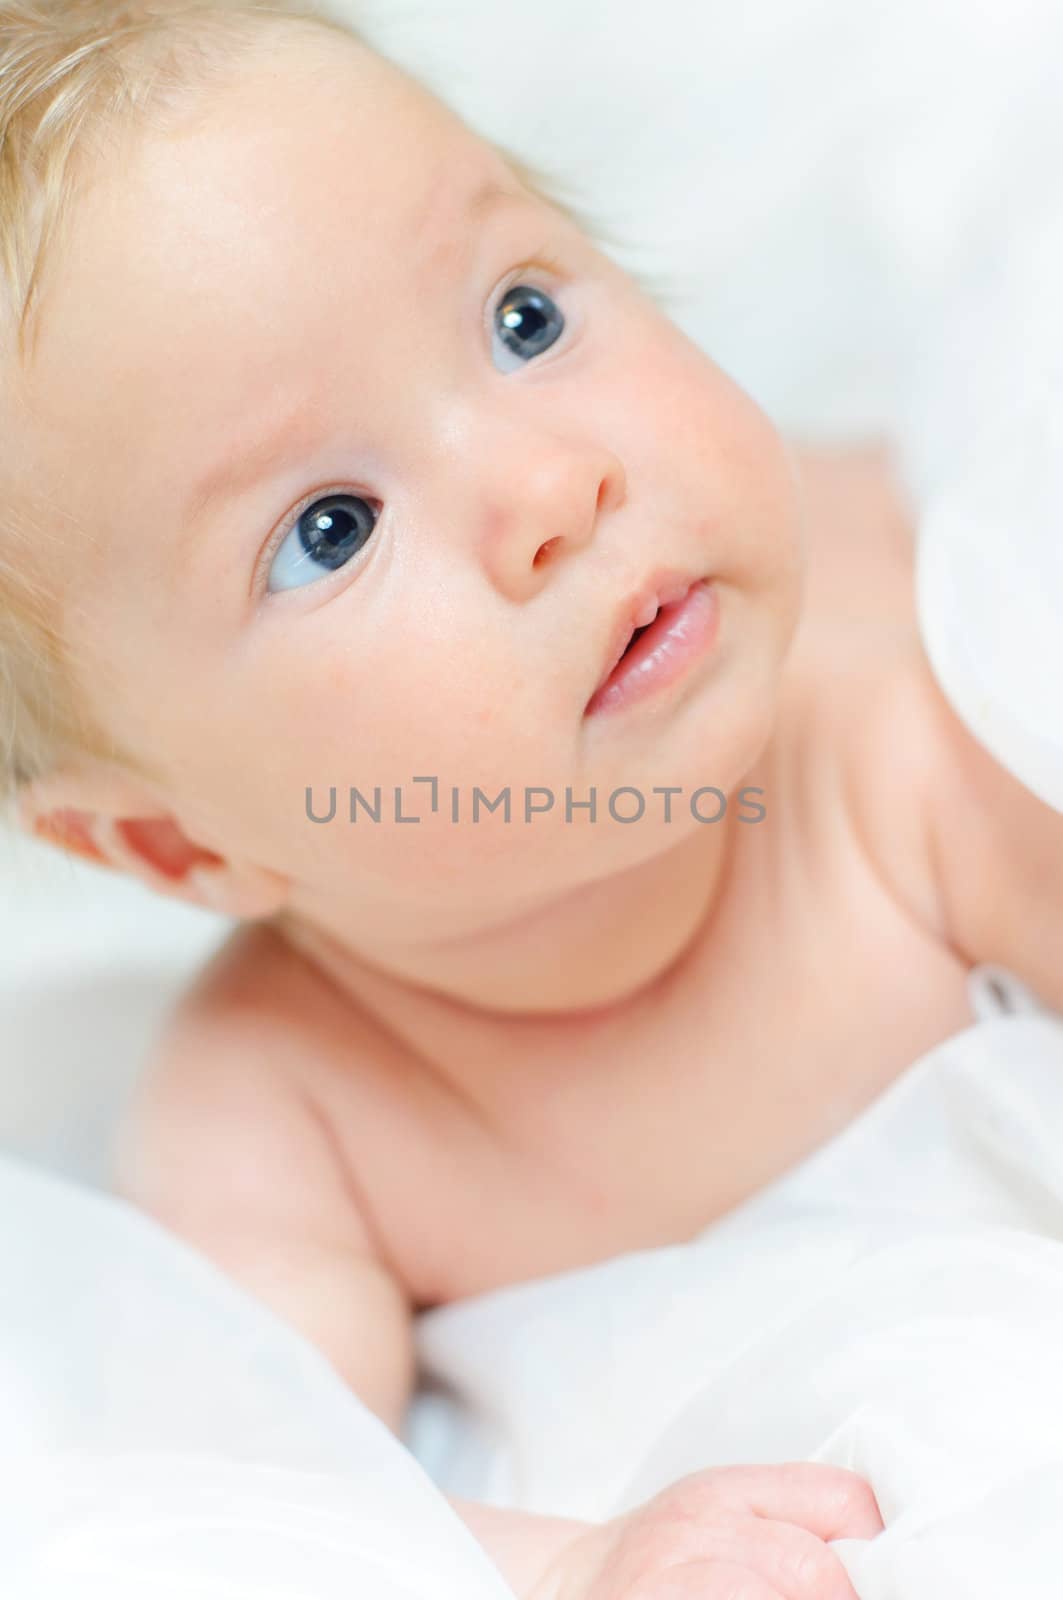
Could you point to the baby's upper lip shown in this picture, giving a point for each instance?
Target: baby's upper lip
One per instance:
(662, 586)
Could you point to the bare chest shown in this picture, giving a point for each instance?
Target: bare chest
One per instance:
(815, 992)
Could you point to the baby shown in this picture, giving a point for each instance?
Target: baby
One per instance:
(382, 568)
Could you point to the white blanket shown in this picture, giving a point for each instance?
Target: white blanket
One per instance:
(165, 1437)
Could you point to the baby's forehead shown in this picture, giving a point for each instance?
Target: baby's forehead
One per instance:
(337, 122)
(316, 151)
(334, 92)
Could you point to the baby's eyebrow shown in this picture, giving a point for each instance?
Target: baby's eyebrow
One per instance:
(490, 193)
(229, 476)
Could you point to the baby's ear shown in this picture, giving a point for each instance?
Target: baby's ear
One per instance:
(116, 820)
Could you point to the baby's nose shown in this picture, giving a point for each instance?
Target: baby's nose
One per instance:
(548, 514)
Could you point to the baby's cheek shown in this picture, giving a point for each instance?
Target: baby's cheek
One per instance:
(692, 431)
(759, 494)
(370, 718)
(741, 490)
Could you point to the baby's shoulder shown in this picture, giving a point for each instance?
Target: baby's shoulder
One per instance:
(259, 989)
(862, 690)
(231, 1129)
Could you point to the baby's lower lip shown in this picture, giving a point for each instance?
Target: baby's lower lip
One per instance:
(681, 634)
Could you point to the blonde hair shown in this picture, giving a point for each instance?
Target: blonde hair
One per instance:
(74, 73)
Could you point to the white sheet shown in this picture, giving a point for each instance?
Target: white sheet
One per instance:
(163, 1435)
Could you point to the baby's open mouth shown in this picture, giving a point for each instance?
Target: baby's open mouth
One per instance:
(682, 626)
(638, 635)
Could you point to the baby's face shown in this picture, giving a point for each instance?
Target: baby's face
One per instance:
(353, 512)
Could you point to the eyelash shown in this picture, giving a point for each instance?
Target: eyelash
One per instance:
(265, 561)
(543, 261)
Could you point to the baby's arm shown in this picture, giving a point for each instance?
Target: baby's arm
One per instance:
(967, 847)
(997, 853)
(222, 1148)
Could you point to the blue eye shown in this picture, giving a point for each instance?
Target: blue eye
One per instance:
(326, 536)
(528, 322)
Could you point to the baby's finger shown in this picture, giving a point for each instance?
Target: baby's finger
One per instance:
(830, 1502)
(799, 1564)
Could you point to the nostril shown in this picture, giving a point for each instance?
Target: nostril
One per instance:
(543, 551)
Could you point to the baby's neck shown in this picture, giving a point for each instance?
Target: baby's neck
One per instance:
(581, 958)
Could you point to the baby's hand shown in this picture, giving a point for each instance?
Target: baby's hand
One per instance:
(729, 1533)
